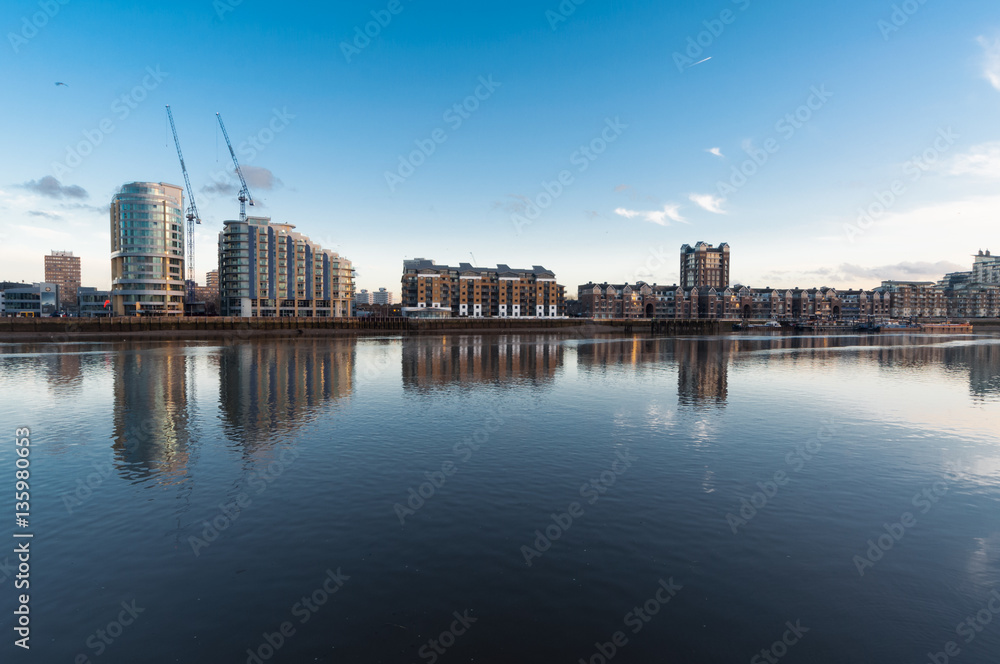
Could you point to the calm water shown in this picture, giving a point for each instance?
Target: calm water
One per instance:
(215, 488)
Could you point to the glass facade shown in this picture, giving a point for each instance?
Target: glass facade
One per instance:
(147, 250)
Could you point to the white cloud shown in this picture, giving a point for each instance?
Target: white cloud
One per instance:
(991, 60)
(716, 151)
(981, 160)
(709, 202)
(660, 217)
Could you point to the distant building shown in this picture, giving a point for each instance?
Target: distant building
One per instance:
(383, 296)
(41, 299)
(63, 268)
(3, 304)
(212, 280)
(268, 269)
(703, 265)
(147, 250)
(364, 297)
(986, 268)
(482, 292)
(642, 300)
(91, 302)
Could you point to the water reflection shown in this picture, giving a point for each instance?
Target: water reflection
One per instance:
(150, 430)
(506, 359)
(267, 389)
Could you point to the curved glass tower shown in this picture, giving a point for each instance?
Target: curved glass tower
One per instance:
(147, 250)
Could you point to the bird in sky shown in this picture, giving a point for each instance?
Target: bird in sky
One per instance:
(58, 83)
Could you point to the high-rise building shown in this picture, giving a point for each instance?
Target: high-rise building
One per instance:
(703, 265)
(383, 296)
(482, 291)
(63, 268)
(364, 297)
(147, 250)
(268, 269)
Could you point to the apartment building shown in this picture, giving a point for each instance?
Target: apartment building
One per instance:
(643, 300)
(482, 292)
(147, 250)
(704, 265)
(63, 268)
(269, 269)
(40, 299)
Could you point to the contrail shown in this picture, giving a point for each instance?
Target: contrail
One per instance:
(700, 61)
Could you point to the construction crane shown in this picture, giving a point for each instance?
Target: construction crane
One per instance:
(192, 213)
(244, 196)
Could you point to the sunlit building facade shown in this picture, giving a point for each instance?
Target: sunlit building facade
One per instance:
(480, 292)
(269, 269)
(147, 250)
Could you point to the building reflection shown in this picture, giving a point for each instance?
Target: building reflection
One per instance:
(505, 359)
(702, 364)
(703, 371)
(151, 421)
(268, 389)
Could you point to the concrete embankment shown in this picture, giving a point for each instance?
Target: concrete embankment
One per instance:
(113, 329)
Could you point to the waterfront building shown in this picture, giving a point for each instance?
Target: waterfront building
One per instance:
(642, 300)
(63, 268)
(480, 292)
(269, 269)
(986, 268)
(364, 297)
(705, 265)
(915, 299)
(90, 302)
(3, 304)
(384, 297)
(40, 299)
(147, 250)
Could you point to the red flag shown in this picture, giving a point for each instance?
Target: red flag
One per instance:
(107, 302)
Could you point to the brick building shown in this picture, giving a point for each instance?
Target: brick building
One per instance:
(63, 268)
(482, 292)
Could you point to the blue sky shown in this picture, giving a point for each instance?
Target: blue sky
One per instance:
(902, 123)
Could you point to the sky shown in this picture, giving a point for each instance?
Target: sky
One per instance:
(830, 144)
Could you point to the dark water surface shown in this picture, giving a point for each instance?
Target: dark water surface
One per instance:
(223, 490)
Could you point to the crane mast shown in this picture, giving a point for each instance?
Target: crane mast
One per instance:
(192, 213)
(244, 196)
